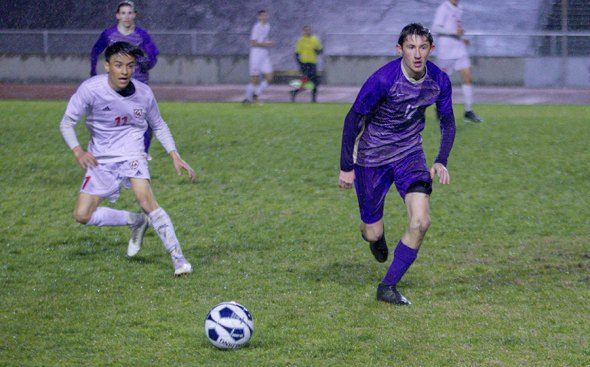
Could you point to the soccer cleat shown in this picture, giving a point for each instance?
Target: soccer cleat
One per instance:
(293, 93)
(255, 98)
(379, 249)
(246, 102)
(388, 293)
(137, 231)
(181, 265)
(472, 117)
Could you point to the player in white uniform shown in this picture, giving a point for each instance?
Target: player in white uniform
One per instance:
(118, 111)
(259, 58)
(452, 51)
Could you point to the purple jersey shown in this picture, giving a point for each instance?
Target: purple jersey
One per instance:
(385, 122)
(139, 38)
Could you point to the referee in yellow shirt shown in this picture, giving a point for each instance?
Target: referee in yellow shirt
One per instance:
(307, 49)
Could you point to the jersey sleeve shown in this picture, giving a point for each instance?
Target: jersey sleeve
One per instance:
(319, 46)
(371, 93)
(159, 126)
(444, 105)
(150, 49)
(298, 46)
(77, 107)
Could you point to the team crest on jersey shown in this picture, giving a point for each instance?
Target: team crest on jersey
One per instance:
(138, 112)
(134, 164)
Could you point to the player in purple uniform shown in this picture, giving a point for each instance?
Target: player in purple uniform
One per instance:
(126, 31)
(382, 145)
(118, 110)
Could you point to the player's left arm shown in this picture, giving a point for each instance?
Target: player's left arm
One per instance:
(150, 49)
(164, 136)
(180, 164)
(444, 105)
(319, 48)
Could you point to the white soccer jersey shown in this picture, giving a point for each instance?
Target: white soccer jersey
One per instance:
(260, 34)
(447, 19)
(259, 56)
(116, 124)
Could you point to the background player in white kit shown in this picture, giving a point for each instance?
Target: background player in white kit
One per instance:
(259, 58)
(452, 50)
(118, 111)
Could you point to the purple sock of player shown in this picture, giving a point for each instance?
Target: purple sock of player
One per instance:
(403, 257)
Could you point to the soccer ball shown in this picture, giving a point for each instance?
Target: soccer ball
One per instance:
(229, 325)
(298, 83)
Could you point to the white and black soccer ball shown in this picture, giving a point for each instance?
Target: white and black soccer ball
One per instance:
(229, 325)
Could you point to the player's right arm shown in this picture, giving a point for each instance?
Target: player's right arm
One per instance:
(367, 100)
(350, 130)
(100, 45)
(76, 108)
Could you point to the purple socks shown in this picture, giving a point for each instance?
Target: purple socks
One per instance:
(403, 257)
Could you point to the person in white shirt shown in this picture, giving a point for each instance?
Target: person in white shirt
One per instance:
(452, 50)
(118, 111)
(260, 63)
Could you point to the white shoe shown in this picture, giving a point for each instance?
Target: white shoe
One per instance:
(137, 231)
(181, 266)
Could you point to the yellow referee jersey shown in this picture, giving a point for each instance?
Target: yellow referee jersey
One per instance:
(307, 47)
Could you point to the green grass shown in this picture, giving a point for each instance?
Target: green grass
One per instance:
(503, 278)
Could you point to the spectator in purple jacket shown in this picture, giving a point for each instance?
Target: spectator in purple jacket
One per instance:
(126, 31)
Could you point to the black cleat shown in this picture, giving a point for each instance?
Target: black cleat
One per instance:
(471, 117)
(293, 93)
(246, 102)
(389, 294)
(255, 98)
(379, 249)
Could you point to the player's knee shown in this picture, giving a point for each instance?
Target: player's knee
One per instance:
(147, 204)
(81, 216)
(419, 225)
(373, 234)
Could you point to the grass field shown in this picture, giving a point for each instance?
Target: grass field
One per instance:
(503, 278)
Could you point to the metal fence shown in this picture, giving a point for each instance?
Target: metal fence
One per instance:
(492, 44)
(68, 41)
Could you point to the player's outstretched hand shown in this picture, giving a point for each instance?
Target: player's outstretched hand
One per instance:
(180, 164)
(346, 179)
(441, 171)
(85, 159)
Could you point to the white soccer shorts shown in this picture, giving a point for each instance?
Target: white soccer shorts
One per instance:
(106, 180)
(451, 65)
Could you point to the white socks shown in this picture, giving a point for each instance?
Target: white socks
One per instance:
(263, 85)
(163, 226)
(249, 91)
(104, 216)
(468, 95)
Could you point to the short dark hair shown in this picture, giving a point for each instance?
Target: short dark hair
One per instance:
(126, 3)
(261, 11)
(414, 29)
(123, 48)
